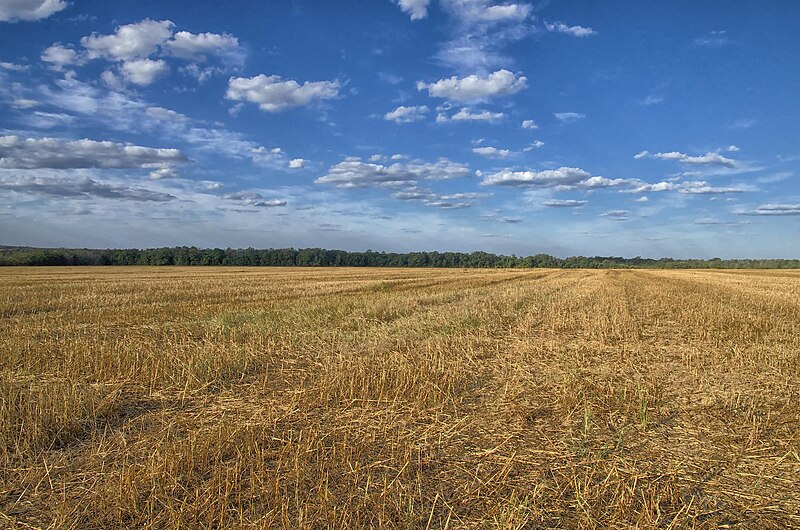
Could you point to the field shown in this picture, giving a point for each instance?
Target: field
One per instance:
(398, 398)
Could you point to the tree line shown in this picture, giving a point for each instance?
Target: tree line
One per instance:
(318, 257)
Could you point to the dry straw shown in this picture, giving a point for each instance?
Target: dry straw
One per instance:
(363, 398)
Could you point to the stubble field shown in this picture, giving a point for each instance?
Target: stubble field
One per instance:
(398, 398)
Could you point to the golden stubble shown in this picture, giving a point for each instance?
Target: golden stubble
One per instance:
(398, 398)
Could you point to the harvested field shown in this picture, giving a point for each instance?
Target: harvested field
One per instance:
(399, 398)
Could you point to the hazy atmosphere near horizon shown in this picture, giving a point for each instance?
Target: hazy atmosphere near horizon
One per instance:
(625, 128)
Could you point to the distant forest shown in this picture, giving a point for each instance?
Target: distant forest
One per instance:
(317, 257)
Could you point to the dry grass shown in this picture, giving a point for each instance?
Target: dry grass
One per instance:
(300, 398)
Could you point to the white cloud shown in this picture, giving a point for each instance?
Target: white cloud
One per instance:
(38, 153)
(59, 56)
(23, 103)
(144, 72)
(47, 120)
(644, 187)
(691, 187)
(297, 163)
(355, 173)
(80, 187)
(404, 114)
(713, 39)
(643, 198)
(165, 115)
(14, 10)
(112, 80)
(774, 210)
(466, 114)
(479, 33)
(197, 47)
(706, 159)
(733, 149)
(429, 198)
(417, 9)
(616, 215)
(131, 41)
(263, 154)
(535, 145)
(252, 198)
(603, 182)
(651, 100)
(529, 124)
(743, 123)
(575, 31)
(474, 87)
(563, 176)
(436, 200)
(569, 117)
(14, 67)
(491, 152)
(506, 12)
(272, 94)
(164, 173)
(702, 188)
(557, 203)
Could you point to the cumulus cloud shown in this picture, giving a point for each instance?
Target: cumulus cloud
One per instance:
(569, 117)
(130, 41)
(644, 187)
(275, 157)
(143, 72)
(272, 94)
(690, 187)
(466, 114)
(563, 176)
(575, 31)
(198, 47)
(706, 159)
(774, 210)
(404, 114)
(475, 87)
(557, 203)
(529, 124)
(355, 173)
(506, 12)
(82, 187)
(491, 152)
(59, 56)
(417, 9)
(38, 153)
(14, 10)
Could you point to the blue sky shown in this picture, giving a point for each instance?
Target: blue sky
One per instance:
(614, 128)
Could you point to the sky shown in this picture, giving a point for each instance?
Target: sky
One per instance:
(627, 128)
